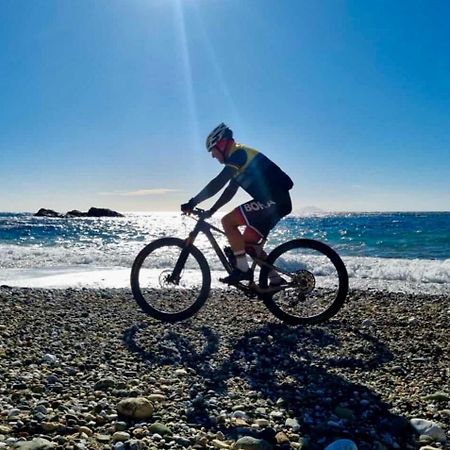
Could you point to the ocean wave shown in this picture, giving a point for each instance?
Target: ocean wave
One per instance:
(113, 256)
(38, 256)
(393, 251)
(391, 269)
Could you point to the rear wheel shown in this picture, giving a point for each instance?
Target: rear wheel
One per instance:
(315, 282)
(161, 293)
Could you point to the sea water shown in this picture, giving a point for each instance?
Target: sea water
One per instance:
(407, 252)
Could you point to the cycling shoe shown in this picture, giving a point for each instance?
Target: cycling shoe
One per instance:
(236, 276)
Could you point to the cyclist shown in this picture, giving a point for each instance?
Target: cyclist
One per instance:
(258, 176)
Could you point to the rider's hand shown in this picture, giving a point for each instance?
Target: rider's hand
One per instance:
(188, 207)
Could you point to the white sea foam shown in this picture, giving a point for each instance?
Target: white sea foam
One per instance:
(39, 256)
(400, 275)
(397, 275)
(65, 277)
(392, 269)
(88, 277)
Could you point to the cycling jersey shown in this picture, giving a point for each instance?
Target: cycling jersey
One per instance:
(261, 178)
(257, 174)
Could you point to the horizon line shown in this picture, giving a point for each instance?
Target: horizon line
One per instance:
(293, 213)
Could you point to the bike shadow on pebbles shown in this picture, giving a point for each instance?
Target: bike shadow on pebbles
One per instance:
(248, 374)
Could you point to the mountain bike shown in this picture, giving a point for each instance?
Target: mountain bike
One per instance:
(171, 278)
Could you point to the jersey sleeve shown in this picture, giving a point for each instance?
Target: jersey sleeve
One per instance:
(215, 185)
(237, 160)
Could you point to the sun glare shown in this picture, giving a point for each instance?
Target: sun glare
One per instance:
(187, 71)
(218, 70)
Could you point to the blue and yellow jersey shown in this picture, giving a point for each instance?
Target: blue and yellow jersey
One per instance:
(257, 174)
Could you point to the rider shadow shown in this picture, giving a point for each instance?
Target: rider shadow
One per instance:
(291, 370)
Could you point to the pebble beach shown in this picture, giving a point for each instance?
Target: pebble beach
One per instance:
(86, 369)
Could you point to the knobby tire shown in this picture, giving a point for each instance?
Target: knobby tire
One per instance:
(144, 301)
(341, 293)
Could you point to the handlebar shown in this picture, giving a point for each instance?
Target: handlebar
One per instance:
(200, 213)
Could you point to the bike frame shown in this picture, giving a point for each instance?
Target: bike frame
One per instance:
(204, 227)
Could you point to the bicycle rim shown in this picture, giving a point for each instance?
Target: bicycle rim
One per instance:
(158, 292)
(315, 282)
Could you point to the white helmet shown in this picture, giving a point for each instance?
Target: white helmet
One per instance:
(219, 133)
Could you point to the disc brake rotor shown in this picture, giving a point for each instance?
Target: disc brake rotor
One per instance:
(304, 282)
(164, 279)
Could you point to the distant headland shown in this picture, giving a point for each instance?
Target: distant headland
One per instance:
(93, 212)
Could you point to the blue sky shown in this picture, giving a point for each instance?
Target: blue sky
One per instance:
(108, 102)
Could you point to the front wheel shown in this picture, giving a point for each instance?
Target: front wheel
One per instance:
(160, 291)
(314, 282)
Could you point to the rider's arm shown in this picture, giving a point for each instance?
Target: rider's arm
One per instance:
(214, 186)
(226, 196)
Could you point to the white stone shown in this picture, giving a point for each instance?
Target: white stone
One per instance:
(49, 359)
(157, 397)
(342, 444)
(137, 408)
(120, 436)
(293, 423)
(251, 443)
(262, 422)
(429, 428)
(36, 444)
(239, 415)
(219, 444)
(276, 414)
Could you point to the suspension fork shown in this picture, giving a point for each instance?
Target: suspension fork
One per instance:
(179, 266)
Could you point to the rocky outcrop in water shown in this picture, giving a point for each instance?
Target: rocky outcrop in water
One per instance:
(43, 212)
(93, 212)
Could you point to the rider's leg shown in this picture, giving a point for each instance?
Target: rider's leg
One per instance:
(252, 237)
(231, 223)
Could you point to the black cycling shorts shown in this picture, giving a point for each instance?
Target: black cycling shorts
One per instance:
(263, 216)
